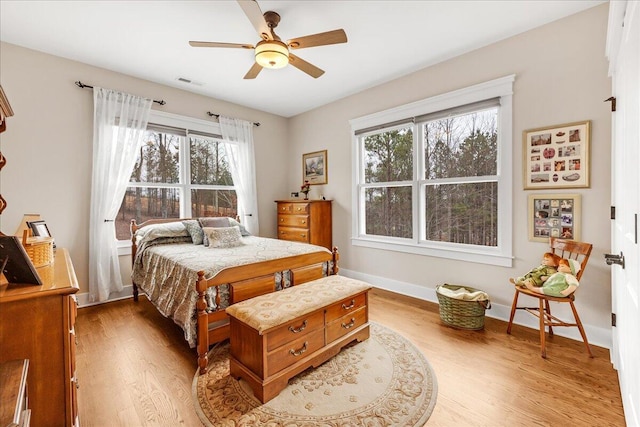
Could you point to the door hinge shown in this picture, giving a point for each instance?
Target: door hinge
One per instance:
(613, 319)
(613, 212)
(613, 102)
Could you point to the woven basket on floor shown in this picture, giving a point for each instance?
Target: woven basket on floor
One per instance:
(459, 313)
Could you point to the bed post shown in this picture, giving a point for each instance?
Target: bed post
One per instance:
(134, 248)
(203, 323)
(336, 258)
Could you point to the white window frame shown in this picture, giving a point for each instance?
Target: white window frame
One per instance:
(500, 255)
(191, 124)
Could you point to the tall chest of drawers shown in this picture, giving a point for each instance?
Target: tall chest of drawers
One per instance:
(307, 221)
(38, 323)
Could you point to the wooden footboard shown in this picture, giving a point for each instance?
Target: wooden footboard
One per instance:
(248, 281)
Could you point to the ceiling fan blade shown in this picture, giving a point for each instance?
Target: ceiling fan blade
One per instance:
(320, 39)
(255, 15)
(303, 65)
(219, 44)
(253, 71)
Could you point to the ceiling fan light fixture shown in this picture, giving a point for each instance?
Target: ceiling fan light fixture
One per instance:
(272, 54)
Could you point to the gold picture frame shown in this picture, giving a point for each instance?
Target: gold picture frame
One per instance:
(315, 168)
(554, 215)
(557, 157)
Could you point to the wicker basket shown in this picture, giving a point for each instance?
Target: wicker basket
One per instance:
(39, 250)
(459, 313)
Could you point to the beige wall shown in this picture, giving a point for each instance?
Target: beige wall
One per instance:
(48, 144)
(561, 77)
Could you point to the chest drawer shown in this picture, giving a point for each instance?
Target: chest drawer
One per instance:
(346, 324)
(293, 234)
(293, 220)
(293, 330)
(346, 306)
(292, 352)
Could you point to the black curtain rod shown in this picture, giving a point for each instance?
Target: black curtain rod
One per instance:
(82, 86)
(210, 114)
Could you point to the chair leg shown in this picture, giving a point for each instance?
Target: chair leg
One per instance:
(543, 349)
(548, 308)
(514, 306)
(584, 335)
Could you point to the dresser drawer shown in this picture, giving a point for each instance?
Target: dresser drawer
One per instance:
(293, 234)
(300, 208)
(301, 221)
(290, 353)
(295, 329)
(346, 306)
(346, 324)
(285, 208)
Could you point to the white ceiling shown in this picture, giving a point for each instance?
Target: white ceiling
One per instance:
(387, 39)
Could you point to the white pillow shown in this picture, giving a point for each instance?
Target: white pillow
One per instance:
(156, 231)
(223, 237)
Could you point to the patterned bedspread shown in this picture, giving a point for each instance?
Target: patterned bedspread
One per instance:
(167, 273)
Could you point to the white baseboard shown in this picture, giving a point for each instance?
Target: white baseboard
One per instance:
(596, 335)
(83, 298)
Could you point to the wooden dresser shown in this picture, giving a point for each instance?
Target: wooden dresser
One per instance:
(307, 221)
(37, 323)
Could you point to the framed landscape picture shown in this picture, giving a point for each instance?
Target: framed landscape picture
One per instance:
(554, 215)
(314, 167)
(557, 156)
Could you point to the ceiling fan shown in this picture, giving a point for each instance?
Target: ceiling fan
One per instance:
(271, 52)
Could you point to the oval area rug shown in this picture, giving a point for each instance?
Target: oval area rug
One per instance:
(383, 381)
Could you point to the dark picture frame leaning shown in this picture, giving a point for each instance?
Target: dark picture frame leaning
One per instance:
(557, 156)
(315, 168)
(39, 228)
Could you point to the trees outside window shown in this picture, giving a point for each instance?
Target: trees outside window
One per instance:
(438, 180)
(177, 174)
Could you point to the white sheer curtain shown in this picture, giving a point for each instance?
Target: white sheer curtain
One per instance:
(243, 168)
(119, 125)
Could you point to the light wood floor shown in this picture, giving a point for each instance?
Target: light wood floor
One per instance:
(135, 369)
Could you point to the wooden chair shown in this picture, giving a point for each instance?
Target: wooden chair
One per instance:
(568, 249)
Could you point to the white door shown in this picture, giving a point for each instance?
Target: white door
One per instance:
(623, 48)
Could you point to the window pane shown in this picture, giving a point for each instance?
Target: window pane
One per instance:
(463, 145)
(209, 163)
(146, 203)
(463, 213)
(388, 156)
(158, 159)
(214, 203)
(388, 211)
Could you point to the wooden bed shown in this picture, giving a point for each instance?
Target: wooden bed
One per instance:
(242, 282)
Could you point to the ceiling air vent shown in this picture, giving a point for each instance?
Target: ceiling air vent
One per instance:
(188, 81)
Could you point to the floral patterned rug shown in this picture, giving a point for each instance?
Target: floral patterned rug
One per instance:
(383, 381)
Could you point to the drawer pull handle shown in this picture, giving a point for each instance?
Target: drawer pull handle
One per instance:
(304, 222)
(300, 329)
(281, 219)
(350, 306)
(299, 209)
(299, 352)
(350, 324)
(303, 235)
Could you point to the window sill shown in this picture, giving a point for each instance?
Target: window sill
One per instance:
(124, 247)
(468, 253)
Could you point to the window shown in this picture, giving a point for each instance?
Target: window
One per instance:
(180, 172)
(434, 177)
